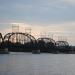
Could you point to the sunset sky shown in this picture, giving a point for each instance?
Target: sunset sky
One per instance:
(55, 17)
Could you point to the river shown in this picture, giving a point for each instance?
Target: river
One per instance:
(37, 64)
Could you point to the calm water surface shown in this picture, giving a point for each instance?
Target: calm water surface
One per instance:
(37, 64)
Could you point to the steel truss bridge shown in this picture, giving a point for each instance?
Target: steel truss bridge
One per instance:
(25, 42)
(19, 37)
(18, 42)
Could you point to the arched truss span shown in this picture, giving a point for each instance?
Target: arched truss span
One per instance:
(19, 37)
(62, 43)
(1, 38)
(46, 40)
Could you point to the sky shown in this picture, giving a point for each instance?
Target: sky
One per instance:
(53, 17)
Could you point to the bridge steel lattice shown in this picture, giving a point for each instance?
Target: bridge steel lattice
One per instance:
(1, 38)
(18, 40)
(46, 44)
(62, 43)
(63, 47)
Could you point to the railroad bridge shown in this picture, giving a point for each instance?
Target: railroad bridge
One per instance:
(19, 42)
(24, 42)
(63, 47)
(46, 44)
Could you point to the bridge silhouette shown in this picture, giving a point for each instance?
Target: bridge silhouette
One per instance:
(24, 42)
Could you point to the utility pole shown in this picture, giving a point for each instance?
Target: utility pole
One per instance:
(28, 30)
(15, 29)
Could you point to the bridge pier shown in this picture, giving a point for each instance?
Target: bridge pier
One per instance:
(35, 51)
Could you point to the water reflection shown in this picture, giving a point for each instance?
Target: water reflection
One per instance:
(39, 64)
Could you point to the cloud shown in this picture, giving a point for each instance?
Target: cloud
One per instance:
(66, 29)
(37, 10)
(69, 1)
(55, 16)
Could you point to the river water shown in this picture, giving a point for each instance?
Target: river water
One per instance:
(37, 64)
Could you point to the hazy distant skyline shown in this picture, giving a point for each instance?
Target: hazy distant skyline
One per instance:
(41, 15)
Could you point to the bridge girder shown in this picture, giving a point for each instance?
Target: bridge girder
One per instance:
(47, 40)
(9, 35)
(1, 38)
(62, 43)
